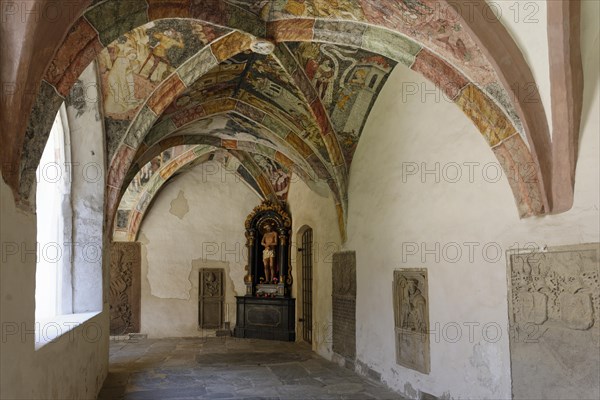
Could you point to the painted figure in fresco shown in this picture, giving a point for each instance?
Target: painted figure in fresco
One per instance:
(323, 76)
(146, 172)
(339, 8)
(295, 7)
(164, 41)
(459, 49)
(120, 97)
(413, 308)
(269, 241)
(311, 68)
(280, 180)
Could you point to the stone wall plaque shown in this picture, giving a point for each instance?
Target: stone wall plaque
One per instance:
(344, 304)
(554, 305)
(212, 298)
(125, 287)
(411, 318)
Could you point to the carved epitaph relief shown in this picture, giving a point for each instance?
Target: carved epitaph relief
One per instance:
(411, 318)
(344, 304)
(210, 309)
(554, 305)
(125, 287)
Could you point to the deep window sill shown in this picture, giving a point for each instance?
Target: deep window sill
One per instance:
(52, 329)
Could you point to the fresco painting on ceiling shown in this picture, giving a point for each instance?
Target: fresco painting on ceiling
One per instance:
(268, 83)
(232, 164)
(139, 60)
(204, 126)
(219, 82)
(122, 219)
(247, 130)
(305, 128)
(340, 9)
(426, 20)
(141, 55)
(267, 146)
(256, 7)
(129, 217)
(245, 175)
(267, 66)
(260, 104)
(236, 132)
(79, 100)
(141, 179)
(236, 138)
(227, 128)
(260, 82)
(436, 25)
(348, 81)
(143, 186)
(278, 176)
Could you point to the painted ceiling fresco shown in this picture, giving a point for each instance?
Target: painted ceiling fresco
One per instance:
(138, 61)
(348, 81)
(146, 184)
(284, 86)
(252, 103)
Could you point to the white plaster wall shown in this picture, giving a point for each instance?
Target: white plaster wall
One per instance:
(197, 221)
(73, 367)
(590, 42)
(388, 212)
(526, 21)
(211, 234)
(309, 209)
(54, 218)
(87, 193)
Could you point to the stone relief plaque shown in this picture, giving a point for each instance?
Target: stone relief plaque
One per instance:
(212, 298)
(125, 287)
(411, 318)
(344, 303)
(554, 304)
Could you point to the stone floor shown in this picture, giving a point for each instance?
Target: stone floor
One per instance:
(229, 368)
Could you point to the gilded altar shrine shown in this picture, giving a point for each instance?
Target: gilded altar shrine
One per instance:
(267, 311)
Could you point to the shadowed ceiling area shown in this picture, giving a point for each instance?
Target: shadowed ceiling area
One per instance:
(283, 87)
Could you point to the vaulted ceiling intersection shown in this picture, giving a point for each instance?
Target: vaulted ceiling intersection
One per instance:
(287, 81)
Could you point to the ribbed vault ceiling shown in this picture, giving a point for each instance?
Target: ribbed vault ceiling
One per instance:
(282, 86)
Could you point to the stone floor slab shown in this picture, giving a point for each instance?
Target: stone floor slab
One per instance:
(229, 369)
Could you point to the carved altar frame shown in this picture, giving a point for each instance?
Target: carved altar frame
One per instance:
(277, 216)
